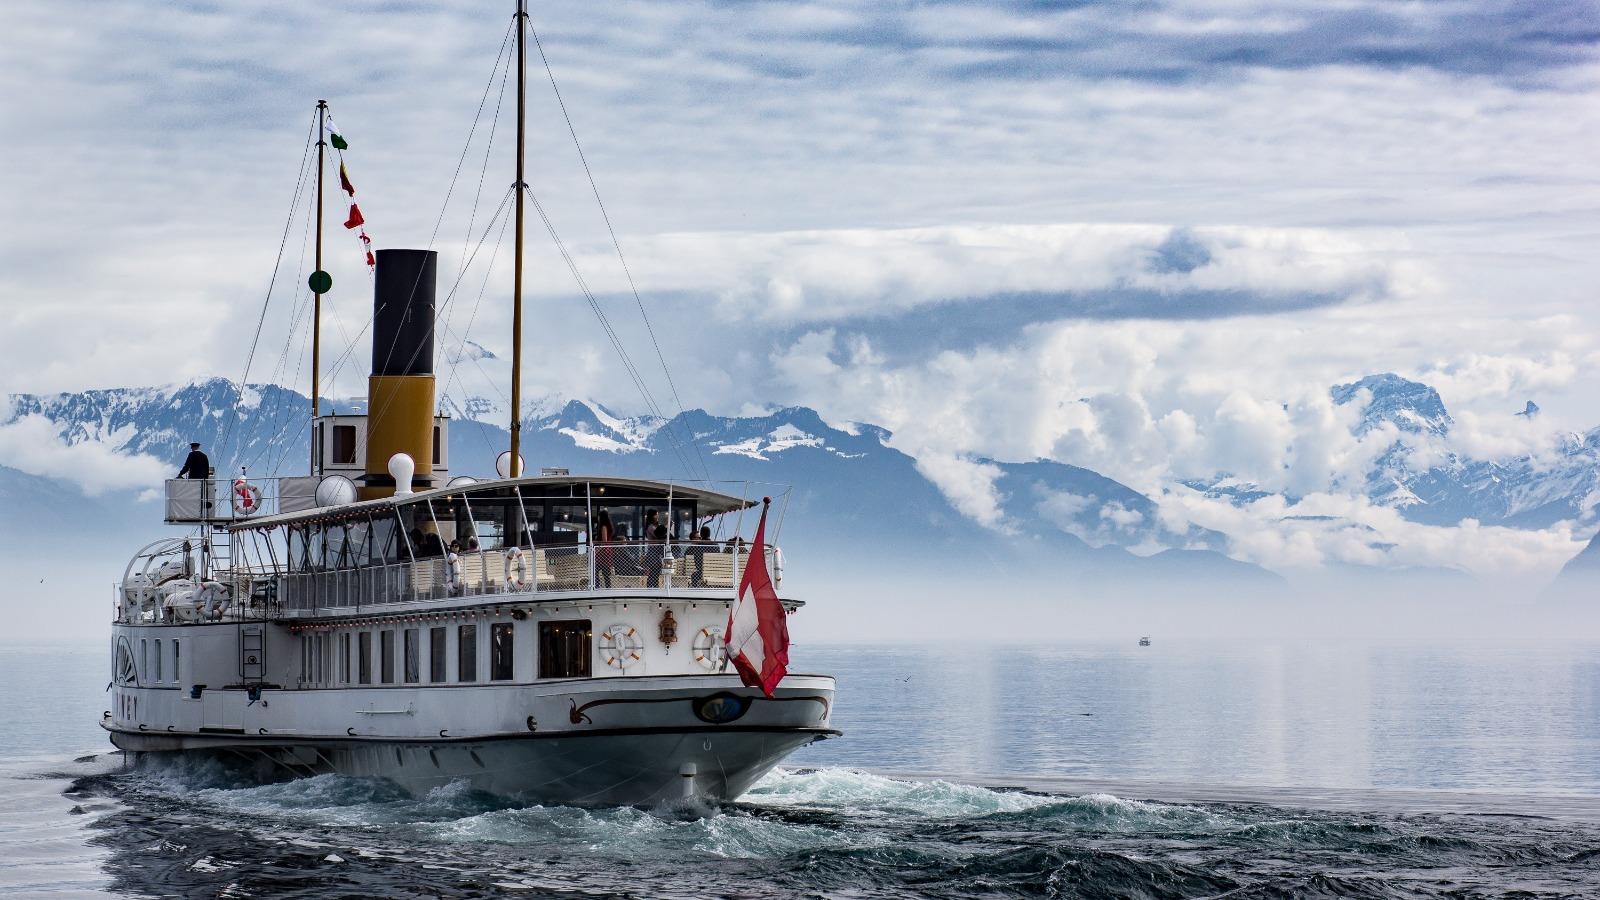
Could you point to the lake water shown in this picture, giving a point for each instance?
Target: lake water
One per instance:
(1176, 770)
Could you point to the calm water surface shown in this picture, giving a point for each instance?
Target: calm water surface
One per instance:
(1177, 770)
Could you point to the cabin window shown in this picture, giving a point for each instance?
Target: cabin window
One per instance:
(467, 653)
(436, 445)
(177, 662)
(383, 546)
(436, 660)
(501, 661)
(565, 649)
(158, 661)
(144, 657)
(386, 656)
(344, 657)
(344, 445)
(413, 655)
(321, 673)
(364, 646)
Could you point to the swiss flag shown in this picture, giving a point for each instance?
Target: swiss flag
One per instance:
(758, 631)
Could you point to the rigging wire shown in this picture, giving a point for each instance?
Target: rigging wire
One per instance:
(271, 284)
(606, 216)
(605, 323)
(449, 192)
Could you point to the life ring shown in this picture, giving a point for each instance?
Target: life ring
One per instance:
(213, 597)
(516, 569)
(246, 498)
(709, 649)
(452, 571)
(620, 646)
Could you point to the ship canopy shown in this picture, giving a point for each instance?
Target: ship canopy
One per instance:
(547, 511)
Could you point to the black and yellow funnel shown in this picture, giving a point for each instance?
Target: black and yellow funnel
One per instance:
(400, 390)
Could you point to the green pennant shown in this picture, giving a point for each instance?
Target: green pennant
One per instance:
(338, 142)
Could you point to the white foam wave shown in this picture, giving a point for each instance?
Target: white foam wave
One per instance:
(635, 833)
(851, 791)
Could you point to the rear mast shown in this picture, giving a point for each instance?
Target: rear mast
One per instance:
(514, 465)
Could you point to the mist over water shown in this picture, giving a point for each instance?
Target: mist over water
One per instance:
(1177, 770)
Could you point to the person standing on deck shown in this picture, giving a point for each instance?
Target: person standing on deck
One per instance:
(197, 465)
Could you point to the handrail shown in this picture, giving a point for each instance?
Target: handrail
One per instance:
(687, 569)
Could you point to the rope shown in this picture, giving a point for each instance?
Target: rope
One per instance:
(606, 216)
(605, 323)
(271, 283)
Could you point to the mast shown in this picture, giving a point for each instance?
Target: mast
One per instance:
(514, 466)
(318, 285)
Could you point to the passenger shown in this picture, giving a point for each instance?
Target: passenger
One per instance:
(655, 536)
(697, 551)
(472, 545)
(605, 554)
(432, 545)
(419, 546)
(452, 568)
(196, 465)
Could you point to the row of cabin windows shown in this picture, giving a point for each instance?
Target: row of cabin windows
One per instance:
(494, 521)
(356, 657)
(154, 672)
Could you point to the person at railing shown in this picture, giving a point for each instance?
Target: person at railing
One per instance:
(432, 545)
(605, 553)
(419, 544)
(196, 465)
(452, 567)
(655, 538)
(699, 545)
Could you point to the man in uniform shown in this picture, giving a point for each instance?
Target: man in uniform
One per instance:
(196, 465)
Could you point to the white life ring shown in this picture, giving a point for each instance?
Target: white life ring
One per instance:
(709, 649)
(452, 571)
(620, 646)
(246, 498)
(213, 597)
(516, 569)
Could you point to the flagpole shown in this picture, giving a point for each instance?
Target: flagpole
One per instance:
(514, 466)
(316, 313)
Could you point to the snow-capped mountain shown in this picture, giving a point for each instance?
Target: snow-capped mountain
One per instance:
(1419, 471)
(854, 497)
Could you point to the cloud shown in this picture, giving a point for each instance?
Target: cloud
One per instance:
(32, 444)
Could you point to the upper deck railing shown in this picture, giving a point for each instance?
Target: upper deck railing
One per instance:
(704, 571)
(689, 569)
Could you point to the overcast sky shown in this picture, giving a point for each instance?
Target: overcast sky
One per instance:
(1141, 237)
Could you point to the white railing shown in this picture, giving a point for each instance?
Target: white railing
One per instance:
(709, 571)
(237, 499)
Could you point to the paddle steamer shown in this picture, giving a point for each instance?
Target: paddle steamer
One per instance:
(325, 624)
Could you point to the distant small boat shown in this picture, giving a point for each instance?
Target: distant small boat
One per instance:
(1144, 642)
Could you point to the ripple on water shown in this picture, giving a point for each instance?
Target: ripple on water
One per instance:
(204, 831)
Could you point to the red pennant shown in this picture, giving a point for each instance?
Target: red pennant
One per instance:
(355, 217)
(344, 181)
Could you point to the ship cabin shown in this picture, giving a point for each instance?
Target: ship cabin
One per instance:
(471, 543)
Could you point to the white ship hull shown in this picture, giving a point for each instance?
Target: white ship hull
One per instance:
(623, 739)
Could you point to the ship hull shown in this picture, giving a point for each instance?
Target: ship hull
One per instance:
(597, 742)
